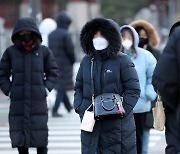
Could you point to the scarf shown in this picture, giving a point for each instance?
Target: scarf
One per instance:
(28, 46)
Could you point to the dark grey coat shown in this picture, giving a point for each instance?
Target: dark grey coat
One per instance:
(166, 80)
(166, 74)
(31, 72)
(62, 47)
(113, 73)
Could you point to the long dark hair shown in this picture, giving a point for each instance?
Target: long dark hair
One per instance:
(131, 33)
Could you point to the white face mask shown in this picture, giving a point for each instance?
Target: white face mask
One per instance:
(127, 44)
(100, 43)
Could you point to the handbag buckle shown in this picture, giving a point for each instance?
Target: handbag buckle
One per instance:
(103, 101)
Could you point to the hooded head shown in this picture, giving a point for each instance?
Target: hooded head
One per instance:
(25, 24)
(130, 40)
(109, 31)
(174, 26)
(63, 20)
(153, 38)
(134, 33)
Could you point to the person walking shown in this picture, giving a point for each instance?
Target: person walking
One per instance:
(61, 44)
(144, 63)
(149, 40)
(166, 81)
(148, 36)
(113, 72)
(28, 71)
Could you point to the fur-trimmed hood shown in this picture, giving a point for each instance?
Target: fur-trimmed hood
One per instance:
(151, 31)
(108, 29)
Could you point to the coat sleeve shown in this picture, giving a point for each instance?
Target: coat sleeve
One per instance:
(69, 48)
(5, 73)
(130, 82)
(151, 63)
(78, 95)
(51, 70)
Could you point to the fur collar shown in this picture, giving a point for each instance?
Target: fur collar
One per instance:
(152, 33)
(109, 31)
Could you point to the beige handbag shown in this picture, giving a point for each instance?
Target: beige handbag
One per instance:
(159, 115)
(88, 120)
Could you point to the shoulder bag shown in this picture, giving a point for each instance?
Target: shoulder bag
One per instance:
(107, 104)
(159, 115)
(88, 120)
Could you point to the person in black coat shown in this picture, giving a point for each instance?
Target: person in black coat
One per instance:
(113, 72)
(61, 44)
(28, 71)
(166, 81)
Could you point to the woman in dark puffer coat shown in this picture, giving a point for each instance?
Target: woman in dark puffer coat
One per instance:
(113, 72)
(34, 72)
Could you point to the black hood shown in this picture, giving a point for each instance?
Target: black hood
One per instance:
(63, 20)
(109, 30)
(174, 26)
(27, 24)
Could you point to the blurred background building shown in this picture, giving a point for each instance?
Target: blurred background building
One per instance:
(161, 13)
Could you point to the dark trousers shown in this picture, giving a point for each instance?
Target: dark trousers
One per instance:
(23, 150)
(140, 122)
(172, 133)
(62, 96)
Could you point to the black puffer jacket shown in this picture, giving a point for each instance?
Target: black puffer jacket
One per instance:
(32, 71)
(113, 73)
(166, 78)
(61, 44)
